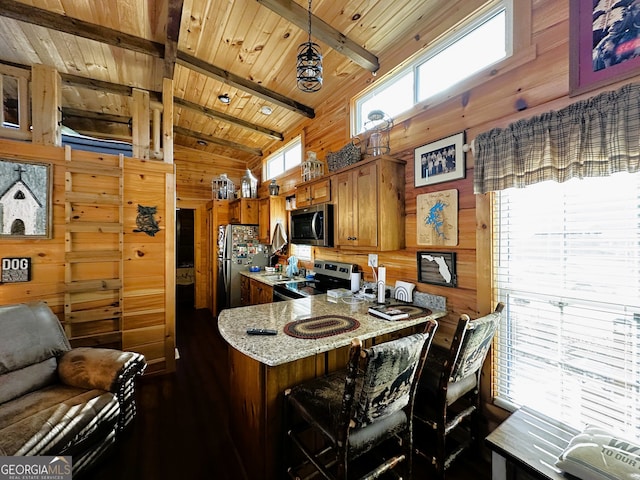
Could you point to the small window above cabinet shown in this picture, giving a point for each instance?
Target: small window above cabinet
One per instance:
(313, 192)
(271, 210)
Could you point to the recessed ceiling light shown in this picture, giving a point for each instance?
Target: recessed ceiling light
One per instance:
(202, 142)
(266, 110)
(224, 98)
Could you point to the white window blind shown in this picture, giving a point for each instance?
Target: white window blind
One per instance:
(567, 266)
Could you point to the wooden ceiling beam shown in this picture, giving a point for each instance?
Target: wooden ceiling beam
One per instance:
(218, 141)
(99, 116)
(227, 118)
(103, 86)
(38, 16)
(299, 16)
(62, 23)
(125, 90)
(103, 135)
(229, 78)
(174, 17)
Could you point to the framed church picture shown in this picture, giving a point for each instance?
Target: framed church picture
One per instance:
(25, 199)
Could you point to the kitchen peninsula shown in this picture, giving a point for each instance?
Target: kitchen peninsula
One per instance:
(262, 367)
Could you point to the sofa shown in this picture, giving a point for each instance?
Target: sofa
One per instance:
(58, 400)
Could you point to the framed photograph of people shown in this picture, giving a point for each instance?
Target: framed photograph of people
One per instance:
(604, 43)
(440, 161)
(25, 199)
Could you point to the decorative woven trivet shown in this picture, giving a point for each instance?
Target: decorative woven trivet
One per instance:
(319, 327)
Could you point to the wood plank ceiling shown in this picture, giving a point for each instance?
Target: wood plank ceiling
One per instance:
(245, 49)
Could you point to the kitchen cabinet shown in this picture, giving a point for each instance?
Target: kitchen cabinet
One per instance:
(369, 204)
(244, 211)
(245, 291)
(271, 210)
(260, 292)
(313, 192)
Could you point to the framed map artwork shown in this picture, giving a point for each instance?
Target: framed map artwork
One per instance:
(437, 218)
(437, 268)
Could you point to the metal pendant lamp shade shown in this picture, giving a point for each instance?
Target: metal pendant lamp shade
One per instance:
(309, 64)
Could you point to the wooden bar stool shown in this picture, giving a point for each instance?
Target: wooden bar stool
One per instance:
(355, 411)
(448, 397)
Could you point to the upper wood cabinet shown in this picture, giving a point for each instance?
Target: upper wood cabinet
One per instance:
(369, 204)
(313, 192)
(244, 211)
(271, 210)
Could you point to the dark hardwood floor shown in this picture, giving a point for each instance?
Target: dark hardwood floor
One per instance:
(181, 430)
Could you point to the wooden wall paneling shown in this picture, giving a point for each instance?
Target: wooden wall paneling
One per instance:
(140, 124)
(246, 390)
(195, 170)
(202, 260)
(143, 257)
(47, 256)
(146, 256)
(46, 101)
(167, 120)
(169, 342)
(170, 269)
(93, 302)
(155, 355)
(144, 335)
(143, 320)
(465, 110)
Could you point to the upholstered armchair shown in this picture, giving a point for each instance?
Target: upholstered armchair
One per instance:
(58, 400)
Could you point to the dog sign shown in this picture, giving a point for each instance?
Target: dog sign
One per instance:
(16, 269)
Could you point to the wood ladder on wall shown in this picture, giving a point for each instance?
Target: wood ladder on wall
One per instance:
(94, 240)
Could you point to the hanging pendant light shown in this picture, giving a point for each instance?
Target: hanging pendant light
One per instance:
(309, 64)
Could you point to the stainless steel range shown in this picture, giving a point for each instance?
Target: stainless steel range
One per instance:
(329, 275)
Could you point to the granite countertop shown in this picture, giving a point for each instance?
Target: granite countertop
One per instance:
(271, 279)
(278, 349)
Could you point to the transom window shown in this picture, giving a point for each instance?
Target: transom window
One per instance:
(287, 157)
(483, 41)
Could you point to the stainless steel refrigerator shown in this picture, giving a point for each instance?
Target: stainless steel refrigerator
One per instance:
(238, 249)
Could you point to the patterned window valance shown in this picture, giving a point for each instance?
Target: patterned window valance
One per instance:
(591, 138)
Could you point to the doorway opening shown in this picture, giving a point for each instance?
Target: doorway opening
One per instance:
(185, 258)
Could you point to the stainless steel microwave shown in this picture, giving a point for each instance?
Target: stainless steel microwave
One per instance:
(312, 225)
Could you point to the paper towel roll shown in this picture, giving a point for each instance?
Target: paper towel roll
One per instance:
(355, 282)
(382, 278)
